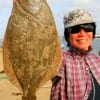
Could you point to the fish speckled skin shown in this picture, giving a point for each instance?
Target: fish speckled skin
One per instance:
(31, 48)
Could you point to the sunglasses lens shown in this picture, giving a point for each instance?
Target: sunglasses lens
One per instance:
(75, 29)
(86, 27)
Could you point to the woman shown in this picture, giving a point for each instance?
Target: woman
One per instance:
(79, 75)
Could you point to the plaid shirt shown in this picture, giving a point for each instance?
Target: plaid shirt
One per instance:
(73, 79)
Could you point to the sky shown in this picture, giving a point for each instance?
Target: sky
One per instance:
(58, 7)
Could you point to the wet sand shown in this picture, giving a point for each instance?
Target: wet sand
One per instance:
(9, 92)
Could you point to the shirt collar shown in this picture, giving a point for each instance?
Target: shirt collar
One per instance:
(80, 51)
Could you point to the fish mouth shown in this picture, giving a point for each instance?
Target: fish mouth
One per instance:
(31, 6)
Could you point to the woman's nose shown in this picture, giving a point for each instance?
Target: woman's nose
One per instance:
(82, 31)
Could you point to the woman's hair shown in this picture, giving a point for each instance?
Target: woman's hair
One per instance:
(66, 33)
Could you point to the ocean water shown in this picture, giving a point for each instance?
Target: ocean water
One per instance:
(96, 46)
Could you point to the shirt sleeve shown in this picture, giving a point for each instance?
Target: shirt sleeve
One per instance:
(60, 72)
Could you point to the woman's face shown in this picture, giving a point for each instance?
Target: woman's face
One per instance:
(81, 40)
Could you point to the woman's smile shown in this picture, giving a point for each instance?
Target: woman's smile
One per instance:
(82, 41)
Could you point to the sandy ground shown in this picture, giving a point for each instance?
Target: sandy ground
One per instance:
(9, 92)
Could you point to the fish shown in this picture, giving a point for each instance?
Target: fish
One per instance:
(31, 46)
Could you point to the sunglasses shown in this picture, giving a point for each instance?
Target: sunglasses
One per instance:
(76, 29)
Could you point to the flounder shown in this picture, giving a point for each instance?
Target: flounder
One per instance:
(31, 46)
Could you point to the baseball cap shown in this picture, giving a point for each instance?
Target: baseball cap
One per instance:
(77, 17)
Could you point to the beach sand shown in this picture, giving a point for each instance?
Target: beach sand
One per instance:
(9, 92)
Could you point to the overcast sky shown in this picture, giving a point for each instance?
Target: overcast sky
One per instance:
(58, 7)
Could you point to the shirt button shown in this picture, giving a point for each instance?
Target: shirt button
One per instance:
(86, 68)
(86, 97)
